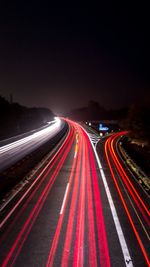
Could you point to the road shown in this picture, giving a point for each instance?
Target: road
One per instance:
(131, 203)
(15, 150)
(79, 210)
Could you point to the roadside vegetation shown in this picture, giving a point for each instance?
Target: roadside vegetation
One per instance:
(16, 119)
(138, 142)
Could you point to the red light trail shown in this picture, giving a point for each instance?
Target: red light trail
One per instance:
(76, 223)
(22, 236)
(109, 148)
(82, 192)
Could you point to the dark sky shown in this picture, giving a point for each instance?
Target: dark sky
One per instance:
(62, 57)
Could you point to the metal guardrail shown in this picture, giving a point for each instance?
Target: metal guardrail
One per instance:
(143, 179)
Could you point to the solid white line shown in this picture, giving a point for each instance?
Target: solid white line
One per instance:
(125, 251)
(126, 254)
(75, 154)
(28, 190)
(64, 200)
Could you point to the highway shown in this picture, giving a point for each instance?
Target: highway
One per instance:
(15, 150)
(83, 208)
(131, 203)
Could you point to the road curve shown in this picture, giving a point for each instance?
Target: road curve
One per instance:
(72, 214)
(133, 202)
(13, 151)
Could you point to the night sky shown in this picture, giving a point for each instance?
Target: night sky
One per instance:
(61, 57)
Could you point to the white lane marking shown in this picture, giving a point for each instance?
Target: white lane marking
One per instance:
(64, 200)
(24, 195)
(75, 154)
(121, 237)
(124, 247)
(126, 254)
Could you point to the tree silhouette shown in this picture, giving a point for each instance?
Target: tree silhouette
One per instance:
(138, 122)
(16, 119)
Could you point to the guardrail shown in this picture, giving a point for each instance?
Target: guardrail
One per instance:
(140, 175)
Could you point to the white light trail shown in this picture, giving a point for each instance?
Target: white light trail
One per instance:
(33, 137)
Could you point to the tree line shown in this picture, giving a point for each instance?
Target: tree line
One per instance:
(135, 118)
(16, 119)
(138, 122)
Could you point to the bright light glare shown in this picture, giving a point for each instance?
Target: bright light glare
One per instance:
(57, 119)
(42, 134)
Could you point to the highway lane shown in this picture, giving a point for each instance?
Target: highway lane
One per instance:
(20, 217)
(132, 202)
(15, 150)
(66, 215)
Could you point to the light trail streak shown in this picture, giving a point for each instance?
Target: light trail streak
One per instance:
(129, 196)
(135, 210)
(90, 205)
(54, 245)
(82, 181)
(33, 137)
(123, 244)
(49, 164)
(128, 168)
(107, 146)
(79, 239)
(73, 206)
(81, 191)
(23, 234)
(30, 197)
(102, 239)
(126, 179)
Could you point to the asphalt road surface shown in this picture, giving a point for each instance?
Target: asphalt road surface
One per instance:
(15, 150)
(82, 209)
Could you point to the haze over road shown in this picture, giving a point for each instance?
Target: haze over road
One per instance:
(78, 211)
